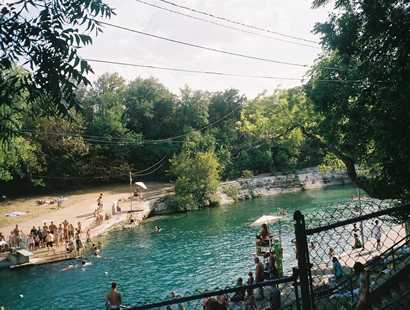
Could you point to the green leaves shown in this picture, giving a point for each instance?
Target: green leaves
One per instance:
(45, 41)
(197, 177)
(363, 115)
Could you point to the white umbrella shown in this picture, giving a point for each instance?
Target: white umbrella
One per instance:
(141, 184)
(266, 219)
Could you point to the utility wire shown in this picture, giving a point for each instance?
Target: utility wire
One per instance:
(152, 166)
(214, 72)
(148, 173)
(236, 22)
(192, 71)
(216, 50)
(148, 141)
(225, 26)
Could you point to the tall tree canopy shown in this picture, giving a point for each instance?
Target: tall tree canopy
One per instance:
(44, 36)
(363, 115)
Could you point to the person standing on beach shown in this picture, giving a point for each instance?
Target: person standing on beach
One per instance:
(70, 231)
(99, 199)
(53, 228)
(377, 234)
(113, 298)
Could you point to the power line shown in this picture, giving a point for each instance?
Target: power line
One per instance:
(147, 141)
(206, 48)
(152, 166)
(148, 173)
(192, 71)
(224, 26)
(237, 22)
(214, 72)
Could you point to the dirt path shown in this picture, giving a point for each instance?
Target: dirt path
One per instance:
(78, 206)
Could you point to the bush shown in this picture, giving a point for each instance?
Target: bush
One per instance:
(247, 174)
(197, 178)
(232, 192)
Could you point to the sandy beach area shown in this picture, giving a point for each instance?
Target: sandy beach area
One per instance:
(78, 206)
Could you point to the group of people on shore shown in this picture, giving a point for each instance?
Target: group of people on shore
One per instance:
(48, 236)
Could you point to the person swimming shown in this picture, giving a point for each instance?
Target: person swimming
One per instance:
(82, 264)
(157, 229)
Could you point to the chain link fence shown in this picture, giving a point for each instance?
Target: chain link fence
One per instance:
(370, 232)
(282, 293)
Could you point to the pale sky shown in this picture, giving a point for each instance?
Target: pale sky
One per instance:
(293, 17)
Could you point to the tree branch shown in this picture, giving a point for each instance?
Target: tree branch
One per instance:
(360, 181)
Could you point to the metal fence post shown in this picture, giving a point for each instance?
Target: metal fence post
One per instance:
(302, 256)
(295, 274)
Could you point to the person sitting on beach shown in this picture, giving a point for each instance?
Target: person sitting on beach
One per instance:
(131, 219)
(3, 243)
(113, 298)
(357, 244)
(337, 269)
(262, 238)
(69, 246)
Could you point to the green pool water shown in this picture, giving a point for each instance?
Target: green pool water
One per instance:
(199, 250)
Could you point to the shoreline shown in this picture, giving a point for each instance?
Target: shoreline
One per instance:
(79, 206)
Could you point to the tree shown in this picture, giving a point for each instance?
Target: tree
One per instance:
(362, 107)
(197, 177)
(20, 160)
(271, 124)
(192, 109)
(149, 108)
(45, 36)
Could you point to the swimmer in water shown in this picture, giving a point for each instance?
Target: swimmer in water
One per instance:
(82, 264)
(69, 267)
(157, 229)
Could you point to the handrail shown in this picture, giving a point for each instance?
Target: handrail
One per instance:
(179, 300)
(316, 230)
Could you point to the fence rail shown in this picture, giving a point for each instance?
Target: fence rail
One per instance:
(292, 302)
